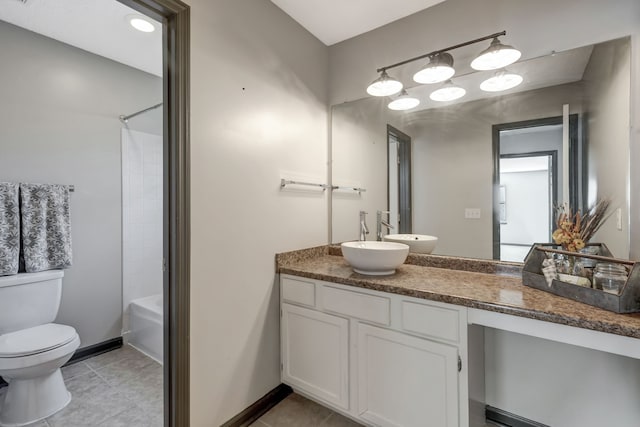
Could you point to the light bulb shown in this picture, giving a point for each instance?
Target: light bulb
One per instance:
(448, 92)
(403, 102)
(501, 80)
(497, 55)
(384, 86)
(439, 69)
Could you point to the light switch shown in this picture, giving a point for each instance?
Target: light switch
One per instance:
(472, 213)
(619, 219)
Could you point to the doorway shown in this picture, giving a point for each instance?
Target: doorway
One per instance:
(399, 180)
(534, 157)
(175, 17)
(527, 195)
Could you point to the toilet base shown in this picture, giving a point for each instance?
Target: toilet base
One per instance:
(33, 399)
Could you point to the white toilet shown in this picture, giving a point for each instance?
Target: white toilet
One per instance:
(32, 349)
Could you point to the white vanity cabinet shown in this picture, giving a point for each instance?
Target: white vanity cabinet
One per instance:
(315, 354)
(405, 380)
(380, 358)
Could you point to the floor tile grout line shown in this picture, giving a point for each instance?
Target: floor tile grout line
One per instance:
(264, 422)
(323, 422)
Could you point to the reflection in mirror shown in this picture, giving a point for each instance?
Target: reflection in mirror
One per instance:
(469, 159)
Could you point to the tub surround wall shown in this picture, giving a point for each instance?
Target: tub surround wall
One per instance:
(258, 110)
(141, 218)
(59, 124)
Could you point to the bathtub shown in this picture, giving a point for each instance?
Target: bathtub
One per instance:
(146, 326)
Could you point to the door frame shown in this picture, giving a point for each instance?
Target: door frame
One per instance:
(576, 180)
(405, 221)
(175, 16)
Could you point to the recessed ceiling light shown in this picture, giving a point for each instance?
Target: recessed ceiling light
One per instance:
(141, 23)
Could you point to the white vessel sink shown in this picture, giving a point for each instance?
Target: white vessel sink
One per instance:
(375, 258)
(418, 243)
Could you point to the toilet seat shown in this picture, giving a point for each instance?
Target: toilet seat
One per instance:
(32, 341)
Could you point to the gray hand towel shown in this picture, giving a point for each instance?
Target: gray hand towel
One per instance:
(9, 229)
(46, 226)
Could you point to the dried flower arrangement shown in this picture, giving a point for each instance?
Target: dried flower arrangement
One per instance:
(576, 229)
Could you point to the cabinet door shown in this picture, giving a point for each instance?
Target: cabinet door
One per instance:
(404, 381)
(315, 354)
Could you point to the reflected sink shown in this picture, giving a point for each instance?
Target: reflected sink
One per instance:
(375, 258)
(418, 243)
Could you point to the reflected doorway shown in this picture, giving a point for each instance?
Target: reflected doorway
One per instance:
(528, 192)
(538, 165)
(399, 184)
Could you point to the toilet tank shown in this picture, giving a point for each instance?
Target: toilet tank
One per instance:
(29, 299)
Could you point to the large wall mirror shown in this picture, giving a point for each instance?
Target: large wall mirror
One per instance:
(484, 173)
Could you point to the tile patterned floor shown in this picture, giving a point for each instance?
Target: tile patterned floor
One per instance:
(296, 411)
(115, 389)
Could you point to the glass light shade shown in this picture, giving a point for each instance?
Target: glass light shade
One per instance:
(439, 69)
(497, 55)
(141, 24)
(448, 92)
(403, 102)
(502, 80)
(384, 86)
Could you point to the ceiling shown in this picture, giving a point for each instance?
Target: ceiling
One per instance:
(97, 26)
(84, 23)
(333, 21)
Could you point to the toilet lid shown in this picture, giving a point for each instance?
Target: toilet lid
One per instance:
(35, 340)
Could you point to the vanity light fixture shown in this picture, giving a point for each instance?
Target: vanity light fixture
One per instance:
(141, 23)
(403, 102)
(501, 80)
(384, 85)
(439, 69)
(497, 55)
(448, 92)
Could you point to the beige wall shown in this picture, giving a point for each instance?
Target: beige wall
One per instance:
(453, 163)
(258, 109)
(359, 153)
(607, 84)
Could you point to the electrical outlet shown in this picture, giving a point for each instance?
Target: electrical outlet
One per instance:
(472, 213)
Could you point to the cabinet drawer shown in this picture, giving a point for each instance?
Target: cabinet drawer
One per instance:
(298, 291)
(431, 321)
(361, 306)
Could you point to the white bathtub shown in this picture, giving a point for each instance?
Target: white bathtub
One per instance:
(146, 325)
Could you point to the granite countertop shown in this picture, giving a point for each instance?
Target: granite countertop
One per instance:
(500, 290)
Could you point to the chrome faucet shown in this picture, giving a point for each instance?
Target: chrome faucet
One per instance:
(380, 222)
(364, 230)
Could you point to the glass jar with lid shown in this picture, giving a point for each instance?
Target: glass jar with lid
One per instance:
(609, 277)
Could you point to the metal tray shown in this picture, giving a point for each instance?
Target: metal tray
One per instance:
(628, 301)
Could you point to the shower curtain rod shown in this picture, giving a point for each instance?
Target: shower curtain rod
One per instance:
(125, 119)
